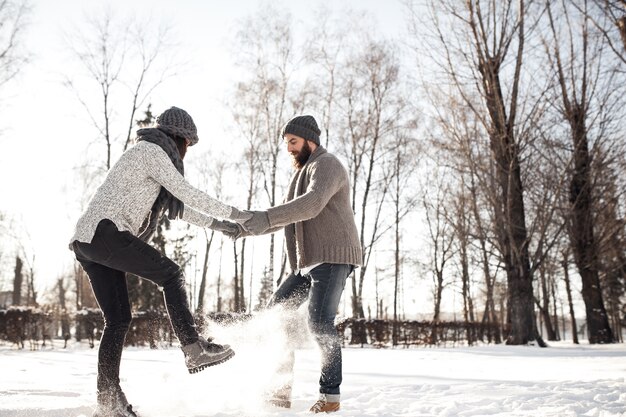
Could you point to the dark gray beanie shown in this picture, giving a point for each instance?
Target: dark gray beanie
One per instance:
(305, 127)
(177, 122)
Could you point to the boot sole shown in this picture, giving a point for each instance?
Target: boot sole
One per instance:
(197, 369)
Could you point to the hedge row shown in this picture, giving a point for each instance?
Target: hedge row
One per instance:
(36, 327)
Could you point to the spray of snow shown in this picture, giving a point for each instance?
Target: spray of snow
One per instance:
(260, 343)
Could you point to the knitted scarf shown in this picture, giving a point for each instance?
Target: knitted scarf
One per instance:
(165, 200)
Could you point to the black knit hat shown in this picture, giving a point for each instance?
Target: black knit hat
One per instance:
(305, 127)
(177, 122)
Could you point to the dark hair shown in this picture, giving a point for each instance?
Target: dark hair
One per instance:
(181, 144)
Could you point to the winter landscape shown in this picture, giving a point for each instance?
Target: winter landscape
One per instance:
(485, 148)
(564, 380)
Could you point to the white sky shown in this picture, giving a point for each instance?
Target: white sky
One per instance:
(45, 130)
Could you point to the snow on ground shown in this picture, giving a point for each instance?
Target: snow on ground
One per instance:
(495, 380)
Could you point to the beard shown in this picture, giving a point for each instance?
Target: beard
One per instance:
(300, 158)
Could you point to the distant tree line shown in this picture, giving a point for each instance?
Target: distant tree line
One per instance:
(35, 328)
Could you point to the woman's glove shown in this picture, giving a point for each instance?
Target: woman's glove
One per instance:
(230, 229)
(239, 216)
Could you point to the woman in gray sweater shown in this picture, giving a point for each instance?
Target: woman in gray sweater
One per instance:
(110, 240)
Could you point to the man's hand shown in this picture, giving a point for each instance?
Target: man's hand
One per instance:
(258, 224)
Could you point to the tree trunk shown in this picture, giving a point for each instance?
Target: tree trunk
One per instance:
(205, 268)
(586, 253)
(395, 329)
(376, 293)
(555, 316)
(218, 306)
(242, 298)
(576, 105)
(509, 212)
(32, 294)
(565, 264)
(62, 292)
(437, 312)
(512, 226)
(513, 236)
(17, 281)
(468, 308)
(489, 315)
(236, 293)
(545, 305)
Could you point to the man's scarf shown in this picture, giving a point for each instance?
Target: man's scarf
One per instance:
(165, 200)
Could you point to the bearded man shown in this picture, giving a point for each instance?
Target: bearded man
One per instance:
(323, 248)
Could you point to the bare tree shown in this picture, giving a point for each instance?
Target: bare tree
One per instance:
(102, 52)
(205, 269)
(13, 22)
(247, 115)
(565, 263)
(546, 280)
(441, 239)
(218, 285)
(31, 292)
(368, 95)
(263, 103)
(150, 49)
(24, 273)
(18, 281)
(124, 54)
(357, 91)
(461, 221)
(489, 39)
(578, 75)
(403, 198)
(329, 49)
(462, 142)
(13, 57)
(611, 232)
(609, 17)
(214, 175)
(246, 112)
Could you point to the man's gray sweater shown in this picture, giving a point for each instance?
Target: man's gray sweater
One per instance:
(317, 215)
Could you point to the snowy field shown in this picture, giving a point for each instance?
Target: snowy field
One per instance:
(563, 380)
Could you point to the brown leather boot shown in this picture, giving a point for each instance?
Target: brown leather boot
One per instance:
(323, 406)
(280, 397)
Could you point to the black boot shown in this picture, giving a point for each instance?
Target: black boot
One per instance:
(113, 404)
(202, 354)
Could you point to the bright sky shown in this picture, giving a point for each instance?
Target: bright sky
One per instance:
(45, 130)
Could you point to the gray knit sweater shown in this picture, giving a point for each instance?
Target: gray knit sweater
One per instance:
(317, 216)
(131, 187)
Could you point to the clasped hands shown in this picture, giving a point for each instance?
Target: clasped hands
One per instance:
(246, 224)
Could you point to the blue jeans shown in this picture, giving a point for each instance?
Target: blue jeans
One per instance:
(322, 287)
(106, 259)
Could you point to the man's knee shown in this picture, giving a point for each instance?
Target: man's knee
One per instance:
(325, 334)
(322, 326)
